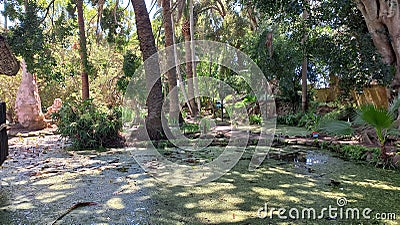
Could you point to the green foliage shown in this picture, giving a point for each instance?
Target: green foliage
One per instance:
(335, 127)
(308, 120)
(357, 152)
(190, 128)
(289, 119)
(255, 119)
(112, 24)
(249, 99)
(382, 120)
(88, 126)
(338, 41)
(353, 152)
(8, 92)
(29, 40)
(379, 118)
(131, 64)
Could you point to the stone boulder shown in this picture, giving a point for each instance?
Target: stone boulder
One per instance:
(57, 104)
(28, 106)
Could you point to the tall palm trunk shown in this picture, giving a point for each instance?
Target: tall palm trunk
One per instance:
(148, 48)
(169, 41)
(189, 67)
(194, 64)
(304, 100)
(83, 51)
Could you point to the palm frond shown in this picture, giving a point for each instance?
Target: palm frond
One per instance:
(394, 106)
(335, 127)
(379, 118)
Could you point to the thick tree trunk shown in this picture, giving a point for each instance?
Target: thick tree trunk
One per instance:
(83, 51)
(169, 41)
(189, 68)
(9, 65)
(383, 21)
(148, 48)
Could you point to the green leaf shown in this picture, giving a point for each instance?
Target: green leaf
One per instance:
(335, 127)
(379, 118)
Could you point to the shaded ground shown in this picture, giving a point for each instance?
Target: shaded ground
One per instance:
(41, 181)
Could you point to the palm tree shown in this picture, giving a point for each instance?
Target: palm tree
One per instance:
(148, 48)
(169, 41)
(9, 65)
(304, 100)
(83, 50)
(189, 67)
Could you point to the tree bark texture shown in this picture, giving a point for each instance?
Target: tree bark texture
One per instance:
(148, 48)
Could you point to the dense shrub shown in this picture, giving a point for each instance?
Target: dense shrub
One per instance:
(354, 152)
(308, 120)
(89, 126)
(289, 119)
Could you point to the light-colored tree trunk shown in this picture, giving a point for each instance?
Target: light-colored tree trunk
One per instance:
(178, 71)
(383, 21)
(189, 67)
(169, 42)
(194, 64)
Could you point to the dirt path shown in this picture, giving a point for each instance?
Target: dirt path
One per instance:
(40, 181)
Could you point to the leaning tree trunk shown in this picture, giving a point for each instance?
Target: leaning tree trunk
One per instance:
(169, 42)
(9, 65)
(383, 21)
(148, 48)
(83, 51)
(189, 68)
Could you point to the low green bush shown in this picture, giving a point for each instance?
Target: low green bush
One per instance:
(255, 119)
(88, 126)
(353, 152)
(289, 119)
(308, 120)
(357, 152)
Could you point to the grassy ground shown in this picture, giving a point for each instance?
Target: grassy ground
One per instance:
(236, 197)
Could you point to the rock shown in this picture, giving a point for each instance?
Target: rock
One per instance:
(54, 108)
(28, 106)
(396, 160)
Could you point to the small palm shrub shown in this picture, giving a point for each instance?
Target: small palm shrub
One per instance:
(382, 120)
(88, 126)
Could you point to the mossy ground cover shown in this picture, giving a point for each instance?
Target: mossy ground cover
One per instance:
(236, 197)
(37, 186)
